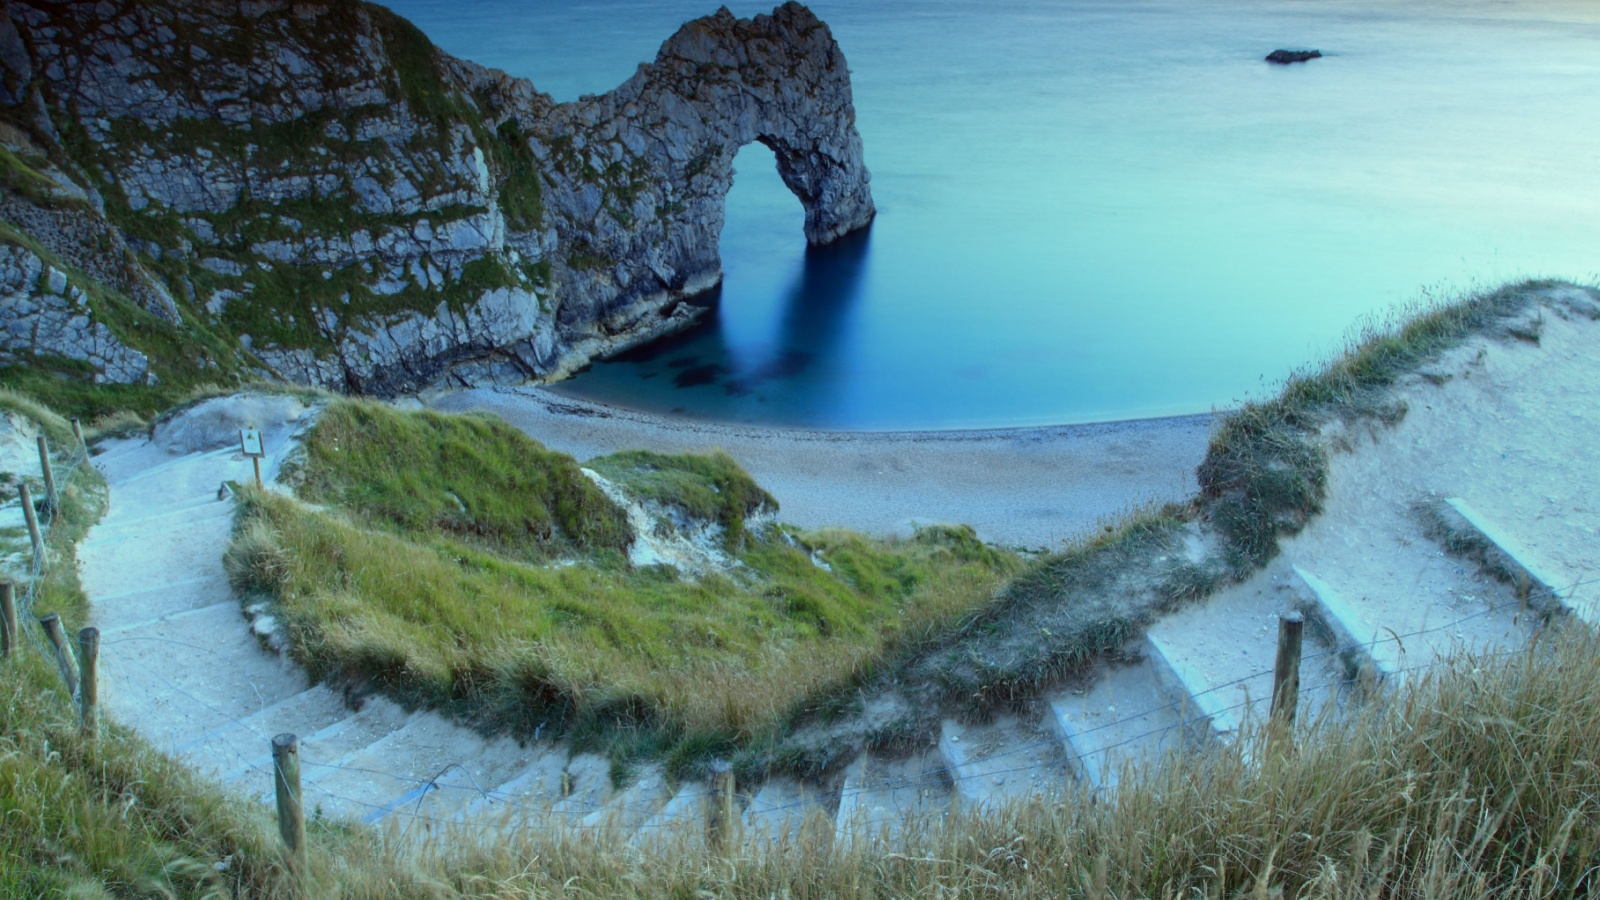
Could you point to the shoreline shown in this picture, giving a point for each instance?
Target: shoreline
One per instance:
(1029, 486)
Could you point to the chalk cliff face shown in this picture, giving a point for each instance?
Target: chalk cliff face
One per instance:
(363, 212)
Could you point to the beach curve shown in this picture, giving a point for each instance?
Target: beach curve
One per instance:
(1028, 487)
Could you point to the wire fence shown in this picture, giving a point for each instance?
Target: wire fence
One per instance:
(48, 516)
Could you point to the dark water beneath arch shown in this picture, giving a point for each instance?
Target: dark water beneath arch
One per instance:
(1103, 210)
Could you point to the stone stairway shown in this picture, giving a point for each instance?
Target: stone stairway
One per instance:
(1382, 597)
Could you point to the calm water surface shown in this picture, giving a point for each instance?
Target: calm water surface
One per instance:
(1106, 210)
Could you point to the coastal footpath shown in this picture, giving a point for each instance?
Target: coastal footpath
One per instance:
(327, 198)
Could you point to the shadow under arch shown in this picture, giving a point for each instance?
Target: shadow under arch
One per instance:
(816, 312)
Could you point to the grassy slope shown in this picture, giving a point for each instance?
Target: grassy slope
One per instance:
(470, 478)
(435, 586)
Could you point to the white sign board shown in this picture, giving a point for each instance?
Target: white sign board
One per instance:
(250, 442)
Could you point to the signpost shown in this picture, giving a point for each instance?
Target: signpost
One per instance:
(250, 444)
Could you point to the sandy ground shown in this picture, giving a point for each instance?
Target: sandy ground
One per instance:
(1020, 487)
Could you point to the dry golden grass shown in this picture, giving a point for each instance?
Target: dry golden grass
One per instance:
(1480, 780)
(714, 660)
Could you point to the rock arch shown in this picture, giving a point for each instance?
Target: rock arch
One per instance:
(641, 174)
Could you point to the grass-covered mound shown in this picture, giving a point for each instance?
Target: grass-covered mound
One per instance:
(427, 582)
(709, 488)
(471, 478)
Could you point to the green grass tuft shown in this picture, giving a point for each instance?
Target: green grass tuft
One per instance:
(704, 487)
(470, 478)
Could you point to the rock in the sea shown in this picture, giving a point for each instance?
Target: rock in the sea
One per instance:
(1285, 57)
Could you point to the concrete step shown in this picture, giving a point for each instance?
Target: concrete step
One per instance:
(133, 523)
(642, 797)
(225, 606)
(781, 807)
(174, 552)
(190, 675)
(1119, 715)
(110, 452)
(1004, 759)
(1363, 649)
(130, 609)
(1545, 589)
(681, 821)
(334, 742)
(466, 783)
(1223, 651)
(427, 769)
(1408, 631)
(152, 475)
(881, 797)
(585, 788)
(119, 458)
(247, 742)
(1205, 714)
(1402, 594)
(526, 797)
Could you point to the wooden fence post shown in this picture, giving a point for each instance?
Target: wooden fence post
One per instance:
(77, 432)
(1286, 674)
(31, 516)
(51, 498)
(65, 658)
(719, 808)
(8, 618)
(291, 813)
(89, 683)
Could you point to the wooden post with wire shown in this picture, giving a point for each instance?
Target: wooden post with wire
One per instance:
(291, 812)
(1286, 673)
(8, 618)
(51, 498)
(89, 680)
(65, 659)
(719, 808)
(77, 432)
(31, 516)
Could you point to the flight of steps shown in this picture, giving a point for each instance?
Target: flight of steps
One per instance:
(181, 663)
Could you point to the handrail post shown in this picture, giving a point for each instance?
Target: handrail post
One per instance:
(1286, 674)
(51, 498)
(65, 660)
(89, 680)
(291, 812)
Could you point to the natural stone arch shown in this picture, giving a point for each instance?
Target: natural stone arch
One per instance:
(640, 175)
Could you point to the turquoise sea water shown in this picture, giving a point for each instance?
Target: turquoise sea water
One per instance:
(1106, 210)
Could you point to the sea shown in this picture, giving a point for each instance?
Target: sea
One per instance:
(1099, 210)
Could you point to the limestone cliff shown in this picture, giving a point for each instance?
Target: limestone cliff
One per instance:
(317, 183)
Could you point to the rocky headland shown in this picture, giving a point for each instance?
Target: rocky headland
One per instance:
(312, 191)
